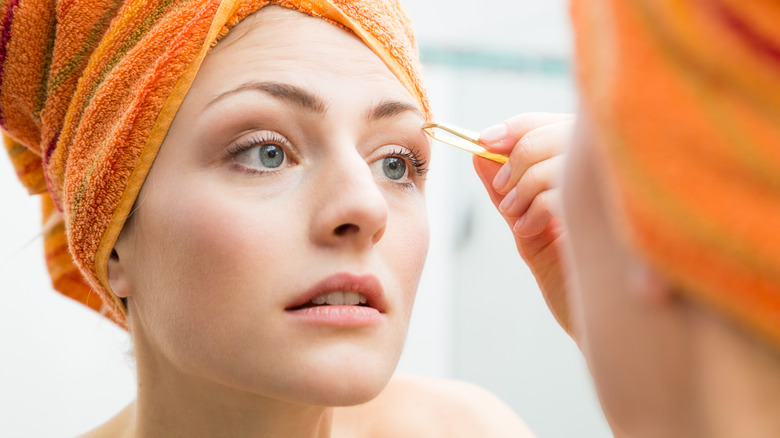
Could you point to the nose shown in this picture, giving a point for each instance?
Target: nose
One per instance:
(350, 209)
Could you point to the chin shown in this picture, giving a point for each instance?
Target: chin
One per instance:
(341, 382)
(347, 389)
(349, 394)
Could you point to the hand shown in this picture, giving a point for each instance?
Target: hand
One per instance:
(524, 191)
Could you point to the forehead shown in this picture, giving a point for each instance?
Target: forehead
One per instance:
(283, 45)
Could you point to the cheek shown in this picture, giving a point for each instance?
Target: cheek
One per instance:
(609, 320)
(575, 200)
(405, 247)
(588, 253)
(208, 257)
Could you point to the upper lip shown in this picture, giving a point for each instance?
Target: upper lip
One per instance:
(368, 285)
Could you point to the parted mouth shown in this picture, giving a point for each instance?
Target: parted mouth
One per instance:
(343, 289)
(340, 298)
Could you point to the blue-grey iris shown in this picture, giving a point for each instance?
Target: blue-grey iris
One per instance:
(394, 167)
(271, 155)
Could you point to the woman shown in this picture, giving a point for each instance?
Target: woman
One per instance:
(266, 263)
(670, 214)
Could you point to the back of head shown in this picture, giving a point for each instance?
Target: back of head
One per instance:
(686, 108)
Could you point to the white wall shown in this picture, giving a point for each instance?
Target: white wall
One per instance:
(63, 368)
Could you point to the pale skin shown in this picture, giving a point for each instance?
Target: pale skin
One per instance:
(663, 364)
(281, 170)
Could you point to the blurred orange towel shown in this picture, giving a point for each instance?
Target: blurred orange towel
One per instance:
(685, 96)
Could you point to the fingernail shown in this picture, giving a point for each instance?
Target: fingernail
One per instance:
(494, 134)
(518, 224)
(507, 202)
(502, 177)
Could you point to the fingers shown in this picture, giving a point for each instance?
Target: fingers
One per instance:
(523, 188)
(540, 214)
(542, 208)
(503, 137)
(537, 179)
(533, 148)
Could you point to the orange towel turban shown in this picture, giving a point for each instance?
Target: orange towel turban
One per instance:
(88, 89)
(685, 98)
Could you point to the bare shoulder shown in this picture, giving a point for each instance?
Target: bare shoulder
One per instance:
(412, 406)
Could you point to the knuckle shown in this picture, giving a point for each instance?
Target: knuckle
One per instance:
(545, 199)
(524, 148)
(533, 177)
(522, 120)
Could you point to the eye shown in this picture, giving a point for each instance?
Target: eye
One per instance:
(400, 165)
(261, 152)
(394, 167)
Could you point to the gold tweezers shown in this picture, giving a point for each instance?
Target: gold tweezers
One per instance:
(462, 139)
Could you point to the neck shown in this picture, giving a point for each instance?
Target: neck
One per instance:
(721, 382)
(174, 403)
(740, 384)
(198, 413)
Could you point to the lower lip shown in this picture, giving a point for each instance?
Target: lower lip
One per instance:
(338, 316)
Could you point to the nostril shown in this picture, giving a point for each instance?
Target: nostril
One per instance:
(344, 229)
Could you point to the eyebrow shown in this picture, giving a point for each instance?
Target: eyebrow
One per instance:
(311, 102)
(286, 92)
(391, 108)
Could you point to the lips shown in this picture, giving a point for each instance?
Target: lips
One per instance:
(343, 289)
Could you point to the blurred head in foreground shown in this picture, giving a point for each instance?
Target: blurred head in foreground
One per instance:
(672, 201)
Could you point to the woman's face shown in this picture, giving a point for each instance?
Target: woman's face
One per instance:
(280, 235)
